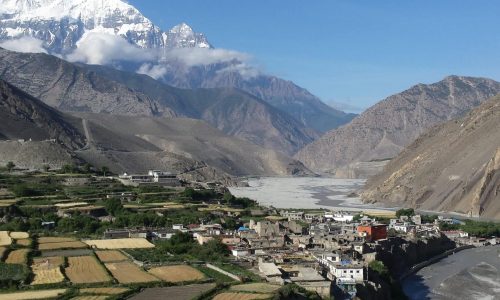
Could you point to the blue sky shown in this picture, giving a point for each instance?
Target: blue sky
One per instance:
(355, 52)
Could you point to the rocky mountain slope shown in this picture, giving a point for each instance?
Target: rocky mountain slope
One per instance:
(97, 89)
(75, 29)
(454, 166)
(386, 128)
(132, 142)
(282, 94)
(128, 143)
(24, 117)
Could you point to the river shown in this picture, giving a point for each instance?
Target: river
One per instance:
(303, 192)
(469, 274)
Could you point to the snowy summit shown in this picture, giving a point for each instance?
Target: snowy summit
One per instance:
(61, 24)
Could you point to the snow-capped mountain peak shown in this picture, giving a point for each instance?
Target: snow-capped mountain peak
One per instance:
(62, 23)
(183, 36)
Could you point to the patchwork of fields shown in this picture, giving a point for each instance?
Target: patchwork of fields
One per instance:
(82, 263)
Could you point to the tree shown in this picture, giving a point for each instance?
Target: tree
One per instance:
(10, 166)
(228, 197)
(68, 169)
(104, 170)
(113, 206)
(87, 168)
(379, 267)
(405, 212)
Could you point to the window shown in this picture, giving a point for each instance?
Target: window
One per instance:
(351, 271)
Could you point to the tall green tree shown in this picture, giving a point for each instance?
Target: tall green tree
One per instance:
(10, 166)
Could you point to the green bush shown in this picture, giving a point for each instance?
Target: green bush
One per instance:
(405, 212)
(379, 267)
(293, 291)
(12, 274)
(182, 247)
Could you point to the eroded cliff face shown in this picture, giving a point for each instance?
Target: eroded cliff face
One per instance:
(487, 194)
(399, 254)
(453, 167)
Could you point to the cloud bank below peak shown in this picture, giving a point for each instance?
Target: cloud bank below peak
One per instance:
(105, 49)
(100, 48)
(25, 44)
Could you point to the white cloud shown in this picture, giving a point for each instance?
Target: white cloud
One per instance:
(103, 48)
(24, 44)
(154, 71)
(246, 71)
(203, 56)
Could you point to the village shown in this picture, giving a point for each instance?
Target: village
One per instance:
(141, 221)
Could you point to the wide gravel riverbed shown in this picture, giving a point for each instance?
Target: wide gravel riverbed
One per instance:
(302, 192)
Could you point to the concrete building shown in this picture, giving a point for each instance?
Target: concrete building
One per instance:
(163, 234)
(271, 272)
(164, 178)
(267, 228)
(239, 252)
(292, 215)
(348, 271)
(405, 227)
(309, 279)
(373, 232)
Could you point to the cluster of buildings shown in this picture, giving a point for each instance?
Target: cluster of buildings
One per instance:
(156, 177)
(325, 252)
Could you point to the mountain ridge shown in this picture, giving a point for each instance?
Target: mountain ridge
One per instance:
(34, 135)
(77, 29)
(384, 129)
(100, 89)
(454, 166)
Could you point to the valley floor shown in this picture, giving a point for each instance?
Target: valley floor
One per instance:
(305, 193)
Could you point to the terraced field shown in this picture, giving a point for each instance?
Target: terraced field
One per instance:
(45, 294)
(104, 291)
(90, 297)
(128, 272)
(24, 242)
(85, 269)
(132, 243)
(19, 235)
(47, 270)
(186, 292)
(241, 296)
(178, 273)
(53, 239)
(5, 239)
(19, 256)
(110, 255)
(255, 288)
(62, 245)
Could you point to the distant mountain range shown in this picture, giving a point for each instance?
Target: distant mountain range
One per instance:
(33, 134)
(382, 131)
(97, 89)
(453, 167)
(87, 31)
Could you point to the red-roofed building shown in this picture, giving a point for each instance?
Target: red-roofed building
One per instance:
(373, 232)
